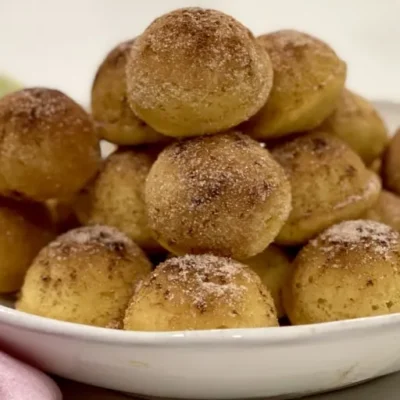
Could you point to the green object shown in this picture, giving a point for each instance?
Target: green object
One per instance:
(8, 85)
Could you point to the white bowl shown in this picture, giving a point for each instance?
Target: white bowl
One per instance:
(219, 364)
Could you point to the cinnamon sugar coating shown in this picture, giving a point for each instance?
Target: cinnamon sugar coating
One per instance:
(116, 196)
(308, 80)
(200, 292)
(48, 146)
(86, 276)
(351, 270)
(357, 122)
(197, 71)
(115, 121)
(329, 183)
(222, 194)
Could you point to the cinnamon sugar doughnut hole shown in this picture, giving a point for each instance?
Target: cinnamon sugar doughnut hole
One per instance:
(330, 184)
(200, 292)
(356, 122)
(197, 71)
(308, 80)
(391, 165)
(351, 270)
(115, 121)
(222, 194)
(386, 210)
(25, 228)
(48, 148)
(273, 267)
(116, 196)
(85, 276)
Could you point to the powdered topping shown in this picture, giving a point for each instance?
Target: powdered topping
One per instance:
(50, 140)
(315, 148)
(206, 32)
(90, 238)
(192, 53)
(97, 233)
(204, 278)
(372, 187)
(37, 114)
(110, 109)
(35, 103)
(288, 39)
(213, 167)
(299, 57)
(356, 235)
(215, 193)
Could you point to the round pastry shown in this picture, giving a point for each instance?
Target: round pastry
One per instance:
(308, 80)
(386, 210)
(114, 118)
(197, 71)
(85, 276)
(357, 123)
(273, 267)
(25, 228)
(116, 196)
(349, 271)
(391, 165)
(48, 147)
(329, 184)
(221, 194)
(200, 292)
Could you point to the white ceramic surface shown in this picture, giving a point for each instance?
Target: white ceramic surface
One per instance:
(225, 364)
(229, 364)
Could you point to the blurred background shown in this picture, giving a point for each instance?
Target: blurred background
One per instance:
(59, 43)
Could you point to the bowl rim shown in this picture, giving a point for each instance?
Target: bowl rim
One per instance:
(287, 335)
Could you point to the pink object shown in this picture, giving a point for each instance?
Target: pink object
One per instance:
(19, 381)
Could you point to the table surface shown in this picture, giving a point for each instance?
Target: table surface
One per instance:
(387, 388)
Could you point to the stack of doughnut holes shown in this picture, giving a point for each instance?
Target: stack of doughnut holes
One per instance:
(245, 190)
